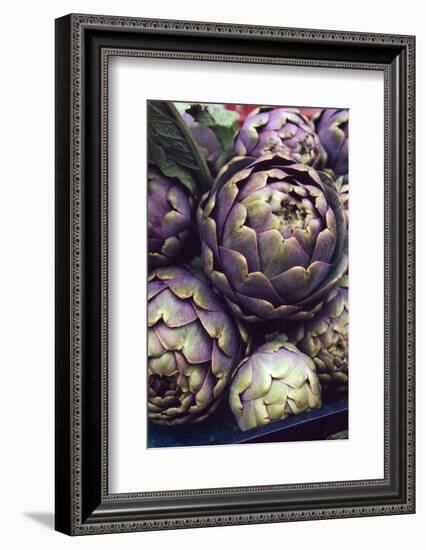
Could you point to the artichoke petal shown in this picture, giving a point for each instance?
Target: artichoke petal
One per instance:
(324, 247)
(278, 255)
(167, 306)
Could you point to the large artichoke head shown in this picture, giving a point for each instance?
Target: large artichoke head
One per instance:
(269, 129)
(193, 346)
(325, 339)
(273, 238)
(332, 129)
(275, 382)
(170, 218)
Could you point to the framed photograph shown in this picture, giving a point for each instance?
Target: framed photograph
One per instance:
(234, 274)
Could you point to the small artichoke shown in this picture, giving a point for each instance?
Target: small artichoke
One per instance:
(193, 346)
(273, 238)
(170, 218)
(332, 129)
(204, 137)
(268, 129)
(276, 381)
(325, 339)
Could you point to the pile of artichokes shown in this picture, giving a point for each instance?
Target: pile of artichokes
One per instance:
(248, 261)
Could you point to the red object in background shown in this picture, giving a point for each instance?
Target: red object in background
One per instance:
(309, 112)
(244, 110)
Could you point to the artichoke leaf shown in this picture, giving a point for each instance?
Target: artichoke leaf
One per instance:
(172, 148)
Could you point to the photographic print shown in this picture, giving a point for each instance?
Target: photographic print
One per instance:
(203, 272)
(247, 214)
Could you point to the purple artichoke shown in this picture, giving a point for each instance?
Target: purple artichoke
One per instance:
(268, 129)
(273, 238)
(204, 137)
(170, 218)
(332, 129)
(275, 382)
(325, 339)
(193, 346)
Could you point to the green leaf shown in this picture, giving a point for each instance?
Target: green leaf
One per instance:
(170, 168)
(224, 125)
(172, 148)
(214, 115)
(221, 116)
(202, 116)
(226, 137)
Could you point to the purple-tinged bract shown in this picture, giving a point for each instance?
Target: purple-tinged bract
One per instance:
(194, 345)
(170, 218)
(273, 238)
(269, 129)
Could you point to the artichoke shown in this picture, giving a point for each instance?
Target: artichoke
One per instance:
(193, 346)
(325, 339)
(204, 137)
(273, 238)
(269, 129)
(332, 129)
(170, 218)
(213, 129)
(276, 381)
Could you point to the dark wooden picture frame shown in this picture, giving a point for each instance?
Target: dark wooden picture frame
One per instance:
(83, 45)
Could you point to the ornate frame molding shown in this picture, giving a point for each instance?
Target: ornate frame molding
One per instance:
(73, 502)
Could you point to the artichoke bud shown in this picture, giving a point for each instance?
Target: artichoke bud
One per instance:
(273, 383)
(332, 127)
(170, 219)
(325, 339)
(194, 345)
(279, 130)
(273, 238)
